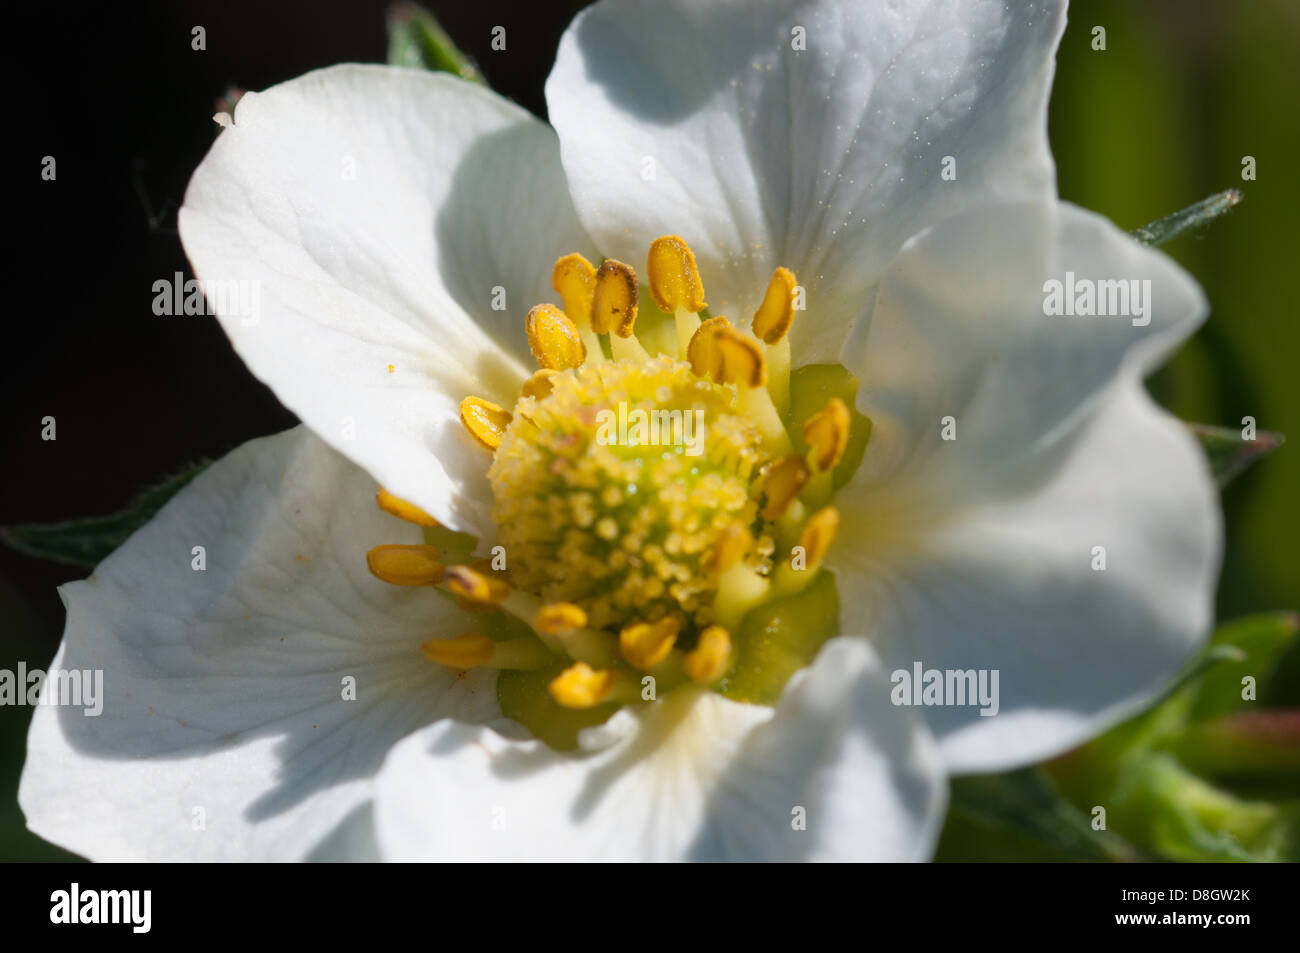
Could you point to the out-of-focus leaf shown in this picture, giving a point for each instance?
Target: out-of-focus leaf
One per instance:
(86, 542)
(1019, 815)
(1170, 811)
(1264, 743)
(417, 40)
(1190, 218)
(1229, 454)
(1261, 640)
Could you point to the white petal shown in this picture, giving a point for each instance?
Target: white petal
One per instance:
(978, 553)
(959, 330)
(703, 120)
(377, 211)
(223, 688)
(695, 777)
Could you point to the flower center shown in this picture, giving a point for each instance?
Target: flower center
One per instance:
(613, 490)
(662, 490)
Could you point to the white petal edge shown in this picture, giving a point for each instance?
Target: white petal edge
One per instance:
(225, 734)
(702, 119)
(396, 226)
(978, 553)
(696, 777)
(959, 331)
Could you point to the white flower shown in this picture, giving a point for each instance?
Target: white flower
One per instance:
(382, 213)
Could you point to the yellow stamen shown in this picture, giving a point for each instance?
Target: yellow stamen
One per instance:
(734, 358)
(581, 686)
(739, 590)
(687, 323)
(742, 361)
(557, 617)
(673, 275)
(774, 316)
(702, 353)
(782, 484)
(539, 385)
(646, 644)
(554, 339)
(472, 650)
(827, 434)
(818, 534)
(485, 421)
(574, 278)
(628, 349)
(732, 545)
(475, 586)
(778, 374)
(403, 565)
(464, 651)
(613, 307)
(708, 661)
(395, 506)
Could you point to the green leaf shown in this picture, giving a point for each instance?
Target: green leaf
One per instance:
(1177, 815)
(1192, 217)
(1251, 744)
(1020, 816)
(1260, 640)
(416, 40)
(1230, 453)
(1209, 686)
(86, 542)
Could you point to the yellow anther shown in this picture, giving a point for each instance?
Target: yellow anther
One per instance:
(774, 316)
(818, 534)
(732, 545)
(702, 353)
(539, 385)
(472, 650)
(555, 618)
(581, 686)
(827, 433)
(784, 480)
(485, 421)
(575, 279)
(646, 644)
(475, 586)
(404, 565)
(464, 651)
(395, 506)
(613, 306)
(673, 275)
(708, 661)
(742, 361)
(553, 338)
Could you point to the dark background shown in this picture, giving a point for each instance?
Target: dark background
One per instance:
(1159, 120)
